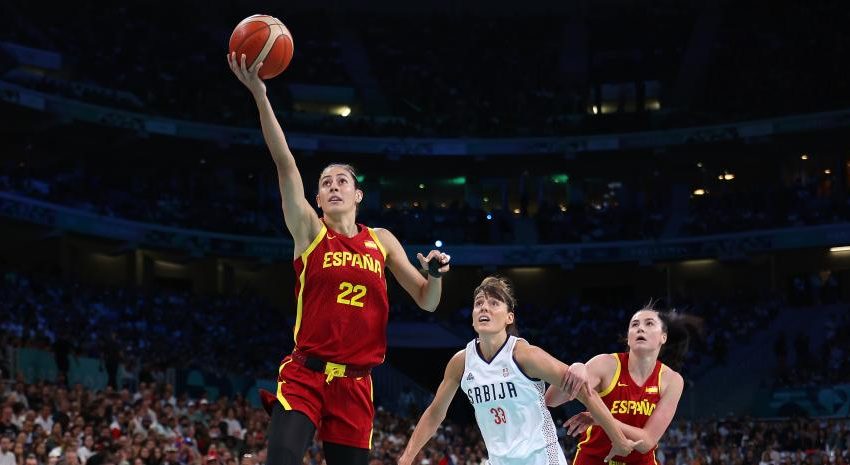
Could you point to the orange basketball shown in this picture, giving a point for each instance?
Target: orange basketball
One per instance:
(263, 38)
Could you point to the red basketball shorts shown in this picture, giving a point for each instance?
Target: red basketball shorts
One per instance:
(341, 408)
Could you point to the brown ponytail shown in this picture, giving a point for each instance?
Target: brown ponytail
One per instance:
(679, 328)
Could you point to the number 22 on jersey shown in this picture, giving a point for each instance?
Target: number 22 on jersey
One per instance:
(355, 291)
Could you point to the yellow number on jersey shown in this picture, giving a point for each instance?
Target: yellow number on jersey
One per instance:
(358, 290)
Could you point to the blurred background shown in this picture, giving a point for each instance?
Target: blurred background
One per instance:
(599, 154)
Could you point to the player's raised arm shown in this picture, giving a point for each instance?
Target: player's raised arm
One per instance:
(301, 220)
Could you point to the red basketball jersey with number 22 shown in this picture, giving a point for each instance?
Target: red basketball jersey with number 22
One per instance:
(341, 297)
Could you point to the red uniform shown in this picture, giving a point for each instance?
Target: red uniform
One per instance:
(342, 310)
(631, 404)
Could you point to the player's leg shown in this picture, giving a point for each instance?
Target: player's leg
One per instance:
(337, 454)
(289, 435)
(347, 415)
(295, 413)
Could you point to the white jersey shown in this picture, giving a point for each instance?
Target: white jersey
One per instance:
(510, 409)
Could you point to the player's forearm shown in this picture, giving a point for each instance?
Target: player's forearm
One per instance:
(555, 397)
(273, 135)
(601, 415)
(430, 294)
(645, 443)
(423, 432)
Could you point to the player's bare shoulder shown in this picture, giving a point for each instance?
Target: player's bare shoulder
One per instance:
(671, 380)
(456, 365)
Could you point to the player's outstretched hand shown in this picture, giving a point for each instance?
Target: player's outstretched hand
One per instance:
(441, 258)
(249, 77)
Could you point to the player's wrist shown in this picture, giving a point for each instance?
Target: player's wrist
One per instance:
(258, 94)
(433, 269)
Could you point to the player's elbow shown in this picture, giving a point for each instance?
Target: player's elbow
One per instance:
(647, 445)
(424, 303)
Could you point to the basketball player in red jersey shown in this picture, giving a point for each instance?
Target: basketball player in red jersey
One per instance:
(341, 294)
(639, 387)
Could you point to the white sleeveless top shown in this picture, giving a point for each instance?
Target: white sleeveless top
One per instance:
(509, 407)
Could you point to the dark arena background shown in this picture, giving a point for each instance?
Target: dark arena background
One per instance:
(600, 154)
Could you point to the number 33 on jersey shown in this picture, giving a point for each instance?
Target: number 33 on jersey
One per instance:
(341, 280)
(509, 406)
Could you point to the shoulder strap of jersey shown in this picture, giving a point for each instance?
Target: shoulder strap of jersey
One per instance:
(660, 368)
(511, 345)
(315, 242)
(615, 378)
(469, 353)
(374, 235)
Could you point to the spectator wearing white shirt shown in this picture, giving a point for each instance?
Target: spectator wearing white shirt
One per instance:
(45, 420)
(85, 451)
(234, 428)
(7, 457)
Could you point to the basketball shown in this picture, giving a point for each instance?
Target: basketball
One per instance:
(263, 38)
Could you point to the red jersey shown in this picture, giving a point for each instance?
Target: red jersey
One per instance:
(341, 296)
(631, 404)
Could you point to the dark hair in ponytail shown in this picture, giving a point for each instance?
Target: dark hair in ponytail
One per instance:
(679, 327)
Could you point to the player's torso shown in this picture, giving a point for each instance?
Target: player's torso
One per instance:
(509, 406)
(341, 298)
(629, 403)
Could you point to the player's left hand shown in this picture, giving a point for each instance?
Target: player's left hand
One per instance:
(574, 379)
(442, 258)
(579, 423)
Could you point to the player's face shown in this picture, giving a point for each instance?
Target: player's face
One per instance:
(646, 332)
(490, 315)
(337, 193)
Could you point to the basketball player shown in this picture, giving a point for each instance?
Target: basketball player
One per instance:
(639, 387)
(504, 379)
(341, 294)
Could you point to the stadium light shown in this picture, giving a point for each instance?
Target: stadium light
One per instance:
(804, 157)
(699, 192)
(843, 248)
(438, 243)
(342, 110)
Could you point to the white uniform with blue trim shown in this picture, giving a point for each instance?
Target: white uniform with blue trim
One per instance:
(510, 409)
